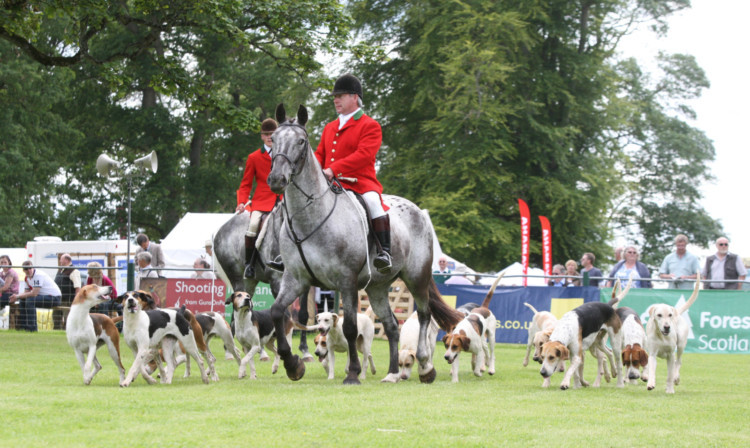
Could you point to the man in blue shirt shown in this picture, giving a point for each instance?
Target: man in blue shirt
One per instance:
(680, 266)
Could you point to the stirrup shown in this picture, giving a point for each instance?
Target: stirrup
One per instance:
(276, 265)
(383, 262)
(249, 271)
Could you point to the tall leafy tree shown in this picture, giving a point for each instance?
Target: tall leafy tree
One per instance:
(189, 80)
(484, 102)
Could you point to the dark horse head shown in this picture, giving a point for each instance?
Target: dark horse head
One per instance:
(290, 147)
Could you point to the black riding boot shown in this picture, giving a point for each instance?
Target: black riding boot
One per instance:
(382, 228)
(250, 253)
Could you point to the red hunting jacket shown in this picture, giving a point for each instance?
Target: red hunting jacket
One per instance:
(350, 152)
(257, 167)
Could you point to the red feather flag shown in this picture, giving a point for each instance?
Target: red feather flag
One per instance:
(525, 236)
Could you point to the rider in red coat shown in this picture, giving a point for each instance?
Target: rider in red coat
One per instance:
(347, 151)
(258, 167)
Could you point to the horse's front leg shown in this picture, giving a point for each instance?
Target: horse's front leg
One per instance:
(350, 332)
(290, 290)
(303, 316)
(427, 371)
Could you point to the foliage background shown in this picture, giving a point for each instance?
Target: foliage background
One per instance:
(481, 102)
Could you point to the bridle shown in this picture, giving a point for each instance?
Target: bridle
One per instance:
(296, 170)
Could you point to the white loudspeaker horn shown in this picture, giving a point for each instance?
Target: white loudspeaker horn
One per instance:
(107, 166)
(147, 163)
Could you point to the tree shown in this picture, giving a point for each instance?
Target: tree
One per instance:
(483, 102)
(190, 80)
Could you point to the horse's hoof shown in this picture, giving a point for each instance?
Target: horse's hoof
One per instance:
(352, 379)
(428, 377)
(295, 369)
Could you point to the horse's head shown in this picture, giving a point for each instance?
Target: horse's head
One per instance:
(290, 144)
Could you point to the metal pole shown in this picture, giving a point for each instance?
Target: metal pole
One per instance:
(131, 266)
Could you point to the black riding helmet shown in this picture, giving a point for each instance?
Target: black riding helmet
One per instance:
(347, 84)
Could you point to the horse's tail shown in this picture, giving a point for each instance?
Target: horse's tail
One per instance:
(446, 317)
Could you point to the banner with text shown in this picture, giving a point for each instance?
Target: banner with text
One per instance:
(523, 209)
(719, 320)
(507, 304)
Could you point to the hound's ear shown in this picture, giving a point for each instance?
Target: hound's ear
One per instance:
(230, 299)
(335, 319)
(120, 298)
(280, 113)
(445, 338)
(146, 297)
(563, 353)
(651, 311)
(643, 357)
(465, 343)
(302, 115)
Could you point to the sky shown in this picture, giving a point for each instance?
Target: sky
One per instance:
(715, 32)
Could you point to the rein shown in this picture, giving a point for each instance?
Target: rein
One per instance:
(310, 199)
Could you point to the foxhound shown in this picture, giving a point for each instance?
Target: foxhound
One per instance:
(634, 356)
(540, 330)
(474, 334)
(145, 330)
(331, 339)
(576, 332)
(407, 354)
(254, 330)
(87, 332)
(667, 335)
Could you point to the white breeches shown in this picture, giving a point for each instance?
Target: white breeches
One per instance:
(374, 204)
(252, 228)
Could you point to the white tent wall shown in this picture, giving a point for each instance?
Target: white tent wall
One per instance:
(186, 242)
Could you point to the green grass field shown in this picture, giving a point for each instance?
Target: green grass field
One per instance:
(44, 403)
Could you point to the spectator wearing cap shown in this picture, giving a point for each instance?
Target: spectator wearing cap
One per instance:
(680, 266)
(723, 265)
(257, 169)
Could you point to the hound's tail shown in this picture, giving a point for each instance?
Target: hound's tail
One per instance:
(532, 308)
(693, 297)
(618, 295)
(200, 342)
(491, 292)
(446, 317)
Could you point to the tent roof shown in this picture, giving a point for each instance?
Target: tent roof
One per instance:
(187, 240)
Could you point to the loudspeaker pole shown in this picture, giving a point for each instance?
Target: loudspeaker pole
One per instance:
(131, 265)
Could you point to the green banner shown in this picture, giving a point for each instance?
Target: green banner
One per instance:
(719, 320)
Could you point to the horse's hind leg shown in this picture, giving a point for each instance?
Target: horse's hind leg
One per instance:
(382, 308)
(420, 290)
(350, 332)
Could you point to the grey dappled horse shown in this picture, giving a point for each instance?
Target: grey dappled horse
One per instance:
(325, 241)
(230, 258)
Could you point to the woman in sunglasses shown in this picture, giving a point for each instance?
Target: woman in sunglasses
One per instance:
(631, 266)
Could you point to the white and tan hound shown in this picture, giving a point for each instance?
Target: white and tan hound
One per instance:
(540, 330)
(331, 339)
(407, 354)
(634, 356)
(474, 334)
(87, 332)
(146, 330)
(667, 335)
